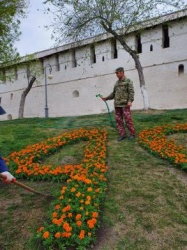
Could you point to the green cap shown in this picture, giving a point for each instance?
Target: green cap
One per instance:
(119, 69)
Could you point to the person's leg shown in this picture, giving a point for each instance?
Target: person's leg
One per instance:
(119, 121)
(128, 121)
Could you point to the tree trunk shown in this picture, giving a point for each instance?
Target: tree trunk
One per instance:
(142, 80)
(140, 72)
(23, 97)
(136, 60)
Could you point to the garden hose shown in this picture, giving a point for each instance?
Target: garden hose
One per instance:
(110, 117)
(71, 121)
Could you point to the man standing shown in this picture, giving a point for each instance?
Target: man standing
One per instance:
(123, 95)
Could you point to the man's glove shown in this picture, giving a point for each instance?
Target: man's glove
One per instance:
(9, 177)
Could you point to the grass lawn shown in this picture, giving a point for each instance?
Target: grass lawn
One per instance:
(146, 200)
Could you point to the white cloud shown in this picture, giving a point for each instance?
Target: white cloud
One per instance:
(34, 36)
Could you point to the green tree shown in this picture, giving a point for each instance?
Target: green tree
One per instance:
(78, 19)
(10, 12)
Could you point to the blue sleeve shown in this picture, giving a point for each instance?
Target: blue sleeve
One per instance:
(3, 166)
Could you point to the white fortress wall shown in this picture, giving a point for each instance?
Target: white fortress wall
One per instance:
(166, 86)
(79, 73)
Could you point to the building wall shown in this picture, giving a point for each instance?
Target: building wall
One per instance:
(81, 72)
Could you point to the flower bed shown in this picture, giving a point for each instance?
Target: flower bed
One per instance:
(156, 141)
(74, 216)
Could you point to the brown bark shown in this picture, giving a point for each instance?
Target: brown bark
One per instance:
(140, 71)
(138, 65)
(23, 97)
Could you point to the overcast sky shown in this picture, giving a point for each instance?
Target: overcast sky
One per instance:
(34, 36)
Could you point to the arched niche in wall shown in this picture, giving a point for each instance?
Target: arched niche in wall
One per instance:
(138, 43)
(114, 49)
(9, 117)
(92, 54)
(75, 93)
(181, 69)
(165, 36)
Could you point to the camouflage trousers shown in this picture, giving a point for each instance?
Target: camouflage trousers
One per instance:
(120, 113)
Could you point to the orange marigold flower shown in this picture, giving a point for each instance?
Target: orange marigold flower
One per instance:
(89, 189)
(95, 214)
(57, 207)
(78, 194)
(55, 214)
(81, 235)
(73, 189)
(66, 225)
(46, 234)
(91, 223)
(87, 202)
(78, 216)
(69, 229)
(55, 221)
(70, 215)
(57, 235)
(66, 234)
(67, 208)
(63, 216)
(94, 220)
(88, 197)
(40, 229)
(79, 223)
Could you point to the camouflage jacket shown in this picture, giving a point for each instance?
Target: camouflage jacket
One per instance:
(123, 93)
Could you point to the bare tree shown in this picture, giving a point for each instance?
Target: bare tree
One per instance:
(31, 81)
(78, 19)
(32, 67)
